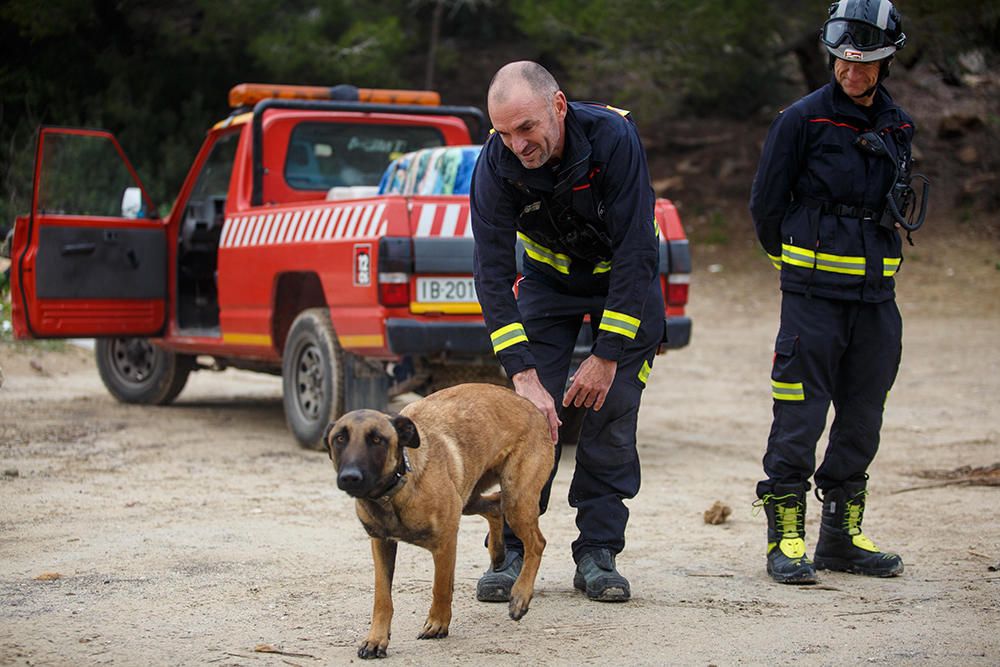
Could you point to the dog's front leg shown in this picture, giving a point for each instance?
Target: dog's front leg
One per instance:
(439, 617)
(384, 555)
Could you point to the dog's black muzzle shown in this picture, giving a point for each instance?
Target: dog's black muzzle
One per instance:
(352, 480)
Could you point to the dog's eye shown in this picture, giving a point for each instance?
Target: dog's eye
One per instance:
(339, 439)
(376, 440)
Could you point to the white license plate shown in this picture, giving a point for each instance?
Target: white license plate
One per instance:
(446, 290)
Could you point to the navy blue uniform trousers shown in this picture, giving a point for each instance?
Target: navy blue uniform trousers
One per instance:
(607, 463)
(844, 352)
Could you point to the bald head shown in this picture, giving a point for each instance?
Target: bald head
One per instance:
(528, 111)
(521, 77)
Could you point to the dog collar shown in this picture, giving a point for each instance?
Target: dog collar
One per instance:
(395, 482)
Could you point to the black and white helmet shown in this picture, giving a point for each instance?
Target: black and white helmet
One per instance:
(863, 30)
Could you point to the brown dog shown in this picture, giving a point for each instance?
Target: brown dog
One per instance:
(414, 475)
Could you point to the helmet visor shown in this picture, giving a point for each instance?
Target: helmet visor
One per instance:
(862, 35)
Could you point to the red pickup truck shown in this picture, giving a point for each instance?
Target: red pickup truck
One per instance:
(281, 254)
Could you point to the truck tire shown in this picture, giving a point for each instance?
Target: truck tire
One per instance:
(135, 370)
(312, 370)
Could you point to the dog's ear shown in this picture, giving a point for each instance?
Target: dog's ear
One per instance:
(406, 430)
(326, 439)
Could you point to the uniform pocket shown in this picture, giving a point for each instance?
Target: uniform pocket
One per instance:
(611, 444)
(786, 374)
(827, 235)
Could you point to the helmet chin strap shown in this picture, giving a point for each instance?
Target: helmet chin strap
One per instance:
(861, 96)
(883, 74)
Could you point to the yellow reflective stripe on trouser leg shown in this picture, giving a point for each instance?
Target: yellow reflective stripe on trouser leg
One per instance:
(787, 391)
(509, 335)
(619, 323)
(540, 253)
(644, 372)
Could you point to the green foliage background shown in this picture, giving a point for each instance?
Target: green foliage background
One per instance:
(157, 73)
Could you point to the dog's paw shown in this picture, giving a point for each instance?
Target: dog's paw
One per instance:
(433, 630)
(372, 649)
(518, 607)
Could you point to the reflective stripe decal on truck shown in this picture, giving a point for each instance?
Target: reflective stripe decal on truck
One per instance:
(259, 340)
(304, 226)
(442, 220)
(340, 222)
(347, 341)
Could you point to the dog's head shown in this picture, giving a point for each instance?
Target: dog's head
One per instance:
(366, 447)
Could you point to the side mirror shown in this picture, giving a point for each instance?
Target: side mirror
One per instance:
(132, 204)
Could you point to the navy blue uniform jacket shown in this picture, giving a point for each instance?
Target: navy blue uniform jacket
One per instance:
(809, 166)
(604, 178)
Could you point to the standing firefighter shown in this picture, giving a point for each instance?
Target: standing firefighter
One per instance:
(570, 180)
(822, 202)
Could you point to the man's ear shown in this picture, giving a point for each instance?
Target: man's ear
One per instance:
(559, 104)
(326, 439)
(406, 430)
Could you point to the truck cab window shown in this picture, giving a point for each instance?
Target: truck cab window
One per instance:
(85, 176)
(325, 155)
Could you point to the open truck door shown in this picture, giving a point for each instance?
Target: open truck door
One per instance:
(90, 259)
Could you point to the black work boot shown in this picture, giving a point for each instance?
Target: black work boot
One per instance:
(842, 546)
(495, 584)
(787, 562)
(597, 577)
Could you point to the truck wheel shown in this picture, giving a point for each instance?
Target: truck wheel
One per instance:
(136, 371)
(312, 369)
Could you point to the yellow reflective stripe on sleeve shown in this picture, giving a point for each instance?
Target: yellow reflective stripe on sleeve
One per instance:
(808, 259)
(890, 265)
(656, 227)
(776, 260)
(540, 253)
(787, 391)
(644, 372)
(506, 336)
(619, 323)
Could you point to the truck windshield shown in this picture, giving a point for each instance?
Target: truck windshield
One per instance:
(325, 155)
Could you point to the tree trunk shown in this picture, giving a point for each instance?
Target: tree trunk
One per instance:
(432, 47)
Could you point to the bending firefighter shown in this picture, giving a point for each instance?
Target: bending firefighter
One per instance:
(830, 194)
(570, 181)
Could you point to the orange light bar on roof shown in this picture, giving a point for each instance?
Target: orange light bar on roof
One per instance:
(390, 96)
(248, 94)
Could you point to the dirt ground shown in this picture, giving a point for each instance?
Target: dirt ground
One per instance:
(198, 533)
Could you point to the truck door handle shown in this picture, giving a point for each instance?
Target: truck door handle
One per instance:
(79, 249)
